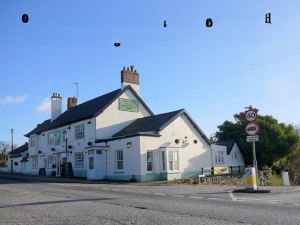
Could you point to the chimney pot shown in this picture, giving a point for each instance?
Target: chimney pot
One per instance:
(130, 77)
(72, 101)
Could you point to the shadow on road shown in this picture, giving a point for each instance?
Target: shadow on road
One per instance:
(57, 202)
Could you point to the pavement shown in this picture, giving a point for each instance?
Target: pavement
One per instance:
(36, 202)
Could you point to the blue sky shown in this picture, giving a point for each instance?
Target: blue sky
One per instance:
(212, 72)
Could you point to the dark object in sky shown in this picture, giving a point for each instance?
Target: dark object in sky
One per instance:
(25, 18)
(268, 18)
(209, 22)
(165, 23)
(117, 44)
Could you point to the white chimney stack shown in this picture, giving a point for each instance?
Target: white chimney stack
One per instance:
(56, 106)
(130, 77)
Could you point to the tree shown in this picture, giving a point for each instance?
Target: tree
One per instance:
(276, 140)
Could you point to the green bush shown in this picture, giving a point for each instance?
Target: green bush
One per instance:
(274, 180)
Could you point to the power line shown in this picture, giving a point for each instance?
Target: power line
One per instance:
(226, 75)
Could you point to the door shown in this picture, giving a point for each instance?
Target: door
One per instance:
(58, 165)
(95, 170)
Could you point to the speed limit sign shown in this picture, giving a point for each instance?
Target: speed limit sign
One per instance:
(250, 115)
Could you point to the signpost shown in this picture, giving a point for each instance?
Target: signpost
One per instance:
(252, 130)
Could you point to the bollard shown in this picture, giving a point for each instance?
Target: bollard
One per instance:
(285, 178)
(250, 178)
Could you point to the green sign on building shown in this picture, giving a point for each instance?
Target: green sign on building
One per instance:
(128, 105)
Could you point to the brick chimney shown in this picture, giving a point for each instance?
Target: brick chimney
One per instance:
(130, 77)
(56, 106)
(72, 101)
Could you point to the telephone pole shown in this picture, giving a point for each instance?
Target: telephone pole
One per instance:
(12, 138)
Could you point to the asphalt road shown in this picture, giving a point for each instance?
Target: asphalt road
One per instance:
(70, 203)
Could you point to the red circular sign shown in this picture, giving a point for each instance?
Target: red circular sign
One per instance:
(251, 115)
(252, 129)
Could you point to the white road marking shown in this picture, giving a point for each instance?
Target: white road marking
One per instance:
(196, 197)
(232, 196)
(160, 194)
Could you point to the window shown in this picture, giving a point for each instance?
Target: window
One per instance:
(51, 161)
(34, 162)
(79, 159)
(219, 157)
(91, 163)
(235, 155)
(79, 131)
(51, 138)
(173, 160)
(57, 137)
(163, 160)
(119, 160)
(149, 161)
(33, 141)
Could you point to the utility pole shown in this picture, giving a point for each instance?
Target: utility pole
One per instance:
(12, 138)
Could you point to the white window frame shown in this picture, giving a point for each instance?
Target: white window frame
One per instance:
(33, 140)
(50, 137)
(119, 160)
(57, 134)
(163, 160)
(51, 160)
(34, 162)
(79, 161)
(148, 161)
(173, 165)
(79, 131)
(219, 157)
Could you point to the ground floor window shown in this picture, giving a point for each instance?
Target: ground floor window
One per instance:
(163, 160)
(219, 157)
(119, 160)
(149, 161)
(34, 162)
(79, 159)
(173, 160)
(91, 162)
(51, 161)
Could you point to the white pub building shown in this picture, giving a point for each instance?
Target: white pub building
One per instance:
(117, 137)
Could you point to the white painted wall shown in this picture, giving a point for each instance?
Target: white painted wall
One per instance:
(230, 160)
(192, 157)
(113, 120)
(78, 145)
(131, 159)
(235, 159)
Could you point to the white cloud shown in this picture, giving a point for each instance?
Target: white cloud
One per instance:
(44, 106)
(8, 100)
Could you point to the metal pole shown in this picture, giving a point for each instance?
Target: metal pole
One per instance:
(255, 162)
(12, 138)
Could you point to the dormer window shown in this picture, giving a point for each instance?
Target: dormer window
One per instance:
(79, 131)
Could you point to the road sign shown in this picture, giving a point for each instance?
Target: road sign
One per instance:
(250, 115)
(252, 129)
(252, 138)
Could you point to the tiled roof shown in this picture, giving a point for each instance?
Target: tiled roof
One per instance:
(229, 144)
(18, 151)
(85, 110)
(155, 123)
(148, 124)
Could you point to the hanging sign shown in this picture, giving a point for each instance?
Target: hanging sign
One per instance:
(252, 129)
